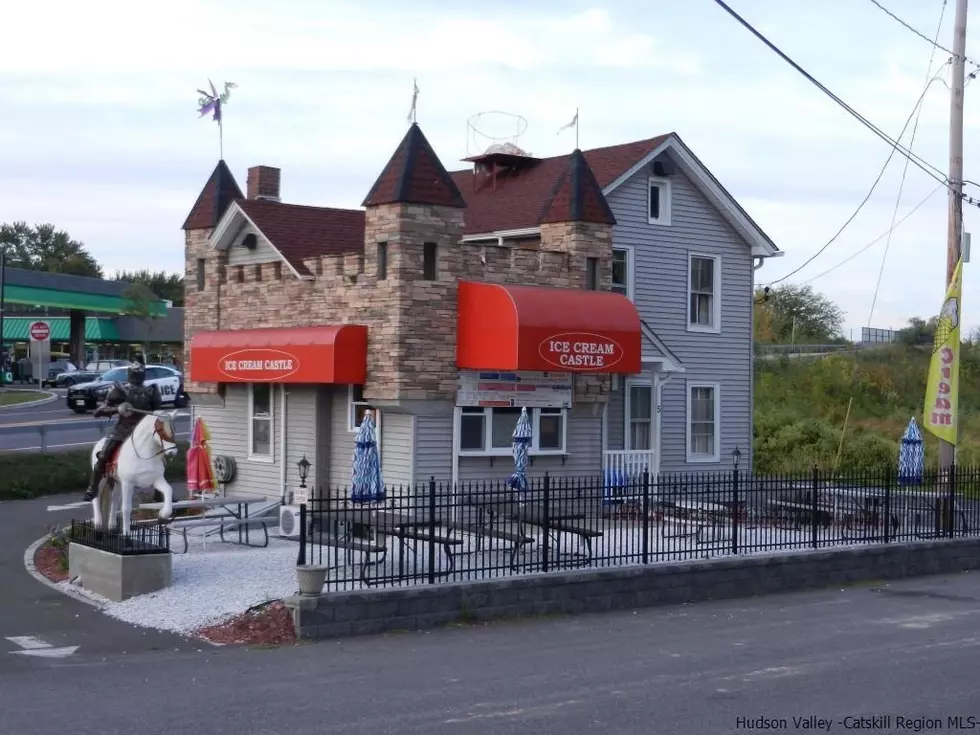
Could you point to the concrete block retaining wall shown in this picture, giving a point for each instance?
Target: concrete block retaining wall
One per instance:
(338, 614)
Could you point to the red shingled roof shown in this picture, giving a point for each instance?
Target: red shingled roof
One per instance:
(577, 196)
(517, 200)
(414, 175)
(218, 193)
(300, 232)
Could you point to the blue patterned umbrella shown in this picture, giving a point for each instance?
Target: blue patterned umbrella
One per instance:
(522, 443)
(367, 485)
(911, 457)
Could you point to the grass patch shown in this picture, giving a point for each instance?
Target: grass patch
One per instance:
(32, 475)
(13, 397)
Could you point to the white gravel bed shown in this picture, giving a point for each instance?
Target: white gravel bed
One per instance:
(210, 585)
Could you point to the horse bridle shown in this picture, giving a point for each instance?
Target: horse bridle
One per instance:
(158, 431)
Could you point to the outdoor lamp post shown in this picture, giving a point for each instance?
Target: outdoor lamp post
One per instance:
(736, 456)
(304, 470)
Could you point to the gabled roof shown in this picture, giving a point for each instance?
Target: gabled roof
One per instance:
(414, 175)
(516, 201)
(299, 232)
(218, 193)
(576, 196)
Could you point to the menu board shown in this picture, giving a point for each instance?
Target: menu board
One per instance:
(514, 390)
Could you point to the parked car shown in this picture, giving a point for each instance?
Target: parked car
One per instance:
(85, 397)
(101, 366)
(55, 369)
(74, 377)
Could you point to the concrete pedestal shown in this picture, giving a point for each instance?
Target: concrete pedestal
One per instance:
(118, 577)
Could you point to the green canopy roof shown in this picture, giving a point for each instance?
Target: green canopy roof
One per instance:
(15, 328)
(63, 291)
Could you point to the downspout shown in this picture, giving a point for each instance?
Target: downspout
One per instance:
(661, 381)
(282, 443)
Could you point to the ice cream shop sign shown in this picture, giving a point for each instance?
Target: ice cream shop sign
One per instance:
(259, 365)
(581, 351)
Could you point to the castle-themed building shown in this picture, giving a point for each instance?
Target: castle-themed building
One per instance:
(452, 300)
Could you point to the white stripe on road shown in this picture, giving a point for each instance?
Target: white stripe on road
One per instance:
(28, 641)
(31, 646)
(69, 506)
(63, 446)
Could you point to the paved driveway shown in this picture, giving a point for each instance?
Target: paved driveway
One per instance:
(30, 609)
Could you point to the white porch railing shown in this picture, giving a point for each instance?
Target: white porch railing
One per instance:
(622, 471)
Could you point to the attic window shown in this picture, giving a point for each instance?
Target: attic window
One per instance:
(258, 271)
(659, 202)
(429, 251)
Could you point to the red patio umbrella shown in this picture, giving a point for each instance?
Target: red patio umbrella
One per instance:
(200, 471)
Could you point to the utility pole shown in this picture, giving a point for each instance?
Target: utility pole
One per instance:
(955, 227)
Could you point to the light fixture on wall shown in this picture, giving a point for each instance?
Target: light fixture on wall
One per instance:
(736, 456)
(304, 470)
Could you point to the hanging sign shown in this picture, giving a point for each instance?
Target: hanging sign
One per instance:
(581, 351)
(514, 389)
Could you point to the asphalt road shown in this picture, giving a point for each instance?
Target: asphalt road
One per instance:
(905, 650)
(26, 419)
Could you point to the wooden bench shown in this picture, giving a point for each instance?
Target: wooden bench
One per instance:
(713, 527)
(798, 512)
(366, 547)
(584, 533)
(221, 522)
(423, 534)
(519, 540)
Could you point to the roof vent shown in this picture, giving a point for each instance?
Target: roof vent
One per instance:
(250, 241)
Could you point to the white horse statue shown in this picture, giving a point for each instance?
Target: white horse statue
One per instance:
(139, 463)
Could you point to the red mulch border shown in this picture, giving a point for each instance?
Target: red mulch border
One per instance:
(49, 563)
(271, 624)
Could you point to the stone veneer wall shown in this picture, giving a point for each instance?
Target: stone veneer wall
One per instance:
(411, 322)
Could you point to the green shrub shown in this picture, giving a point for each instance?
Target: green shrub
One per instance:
(32, 475)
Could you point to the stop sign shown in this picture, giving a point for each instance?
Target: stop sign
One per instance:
(40, 331)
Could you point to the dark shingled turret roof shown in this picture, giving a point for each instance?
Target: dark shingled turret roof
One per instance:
(214, 199)
(414, 175)
(576, 196)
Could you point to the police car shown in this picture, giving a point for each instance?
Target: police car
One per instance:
(86, 397)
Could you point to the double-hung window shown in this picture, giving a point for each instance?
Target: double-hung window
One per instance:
(703, 419)
(260, 422)
(658, 203)
(622, 272)
(704, 293)
(490, 431)
(640, 416)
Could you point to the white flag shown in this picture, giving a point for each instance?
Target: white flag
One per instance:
(415, 99)
(572, 124)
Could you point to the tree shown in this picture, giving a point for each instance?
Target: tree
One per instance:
(918, 332)
(794, 313)
(168, 286)
(42, 248)
(139, 304)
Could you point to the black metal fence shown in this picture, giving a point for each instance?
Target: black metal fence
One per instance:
(143, 538)
(436, 532)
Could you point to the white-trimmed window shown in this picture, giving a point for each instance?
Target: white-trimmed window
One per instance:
(658, 201)
(490, 431)
(703, 422)
(703, 293)
(639, 415)
(356, 406)
(622, 272)
(261, 429)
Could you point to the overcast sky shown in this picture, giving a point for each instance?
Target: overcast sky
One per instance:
(100, 136)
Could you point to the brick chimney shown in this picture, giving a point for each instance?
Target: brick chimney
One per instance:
(263, 183)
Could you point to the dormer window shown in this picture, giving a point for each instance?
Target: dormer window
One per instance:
(659, 201)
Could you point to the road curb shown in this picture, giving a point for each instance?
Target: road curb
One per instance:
(52, 397)
(32, 570)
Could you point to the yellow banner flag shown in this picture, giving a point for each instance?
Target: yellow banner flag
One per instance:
(943, 386)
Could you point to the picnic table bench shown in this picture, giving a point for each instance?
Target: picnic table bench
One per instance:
(702, 520)
(223, 520)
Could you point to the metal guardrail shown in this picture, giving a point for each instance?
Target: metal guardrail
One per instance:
(42, 430)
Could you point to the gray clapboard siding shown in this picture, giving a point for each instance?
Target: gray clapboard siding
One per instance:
(615, 421)
(229, 432)
(660, 287)
(341, 440)
(583, 444)
(300, 431)
(396, 448)
(263, 252)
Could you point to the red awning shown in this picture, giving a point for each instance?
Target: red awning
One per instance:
(292, 355)
(502, 327)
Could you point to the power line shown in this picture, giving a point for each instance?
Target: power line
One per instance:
(881, 173)
(922, 164)
(905, 170)
(878, 239)
(920, 34)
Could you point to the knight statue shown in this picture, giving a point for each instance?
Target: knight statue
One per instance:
(120, 401)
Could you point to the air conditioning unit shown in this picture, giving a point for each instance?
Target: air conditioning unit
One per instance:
(289, 521)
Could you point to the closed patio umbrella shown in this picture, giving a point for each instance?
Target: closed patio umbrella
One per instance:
(521, 447)
(911, 455)
(367, 485)
(200, 472)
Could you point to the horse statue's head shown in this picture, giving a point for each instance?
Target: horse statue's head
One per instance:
(163, 430)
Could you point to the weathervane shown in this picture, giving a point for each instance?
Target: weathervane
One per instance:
(213, 103)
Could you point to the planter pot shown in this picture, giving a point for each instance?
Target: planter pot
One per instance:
(311, 579)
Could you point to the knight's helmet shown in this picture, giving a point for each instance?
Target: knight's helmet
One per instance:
(137, 373)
